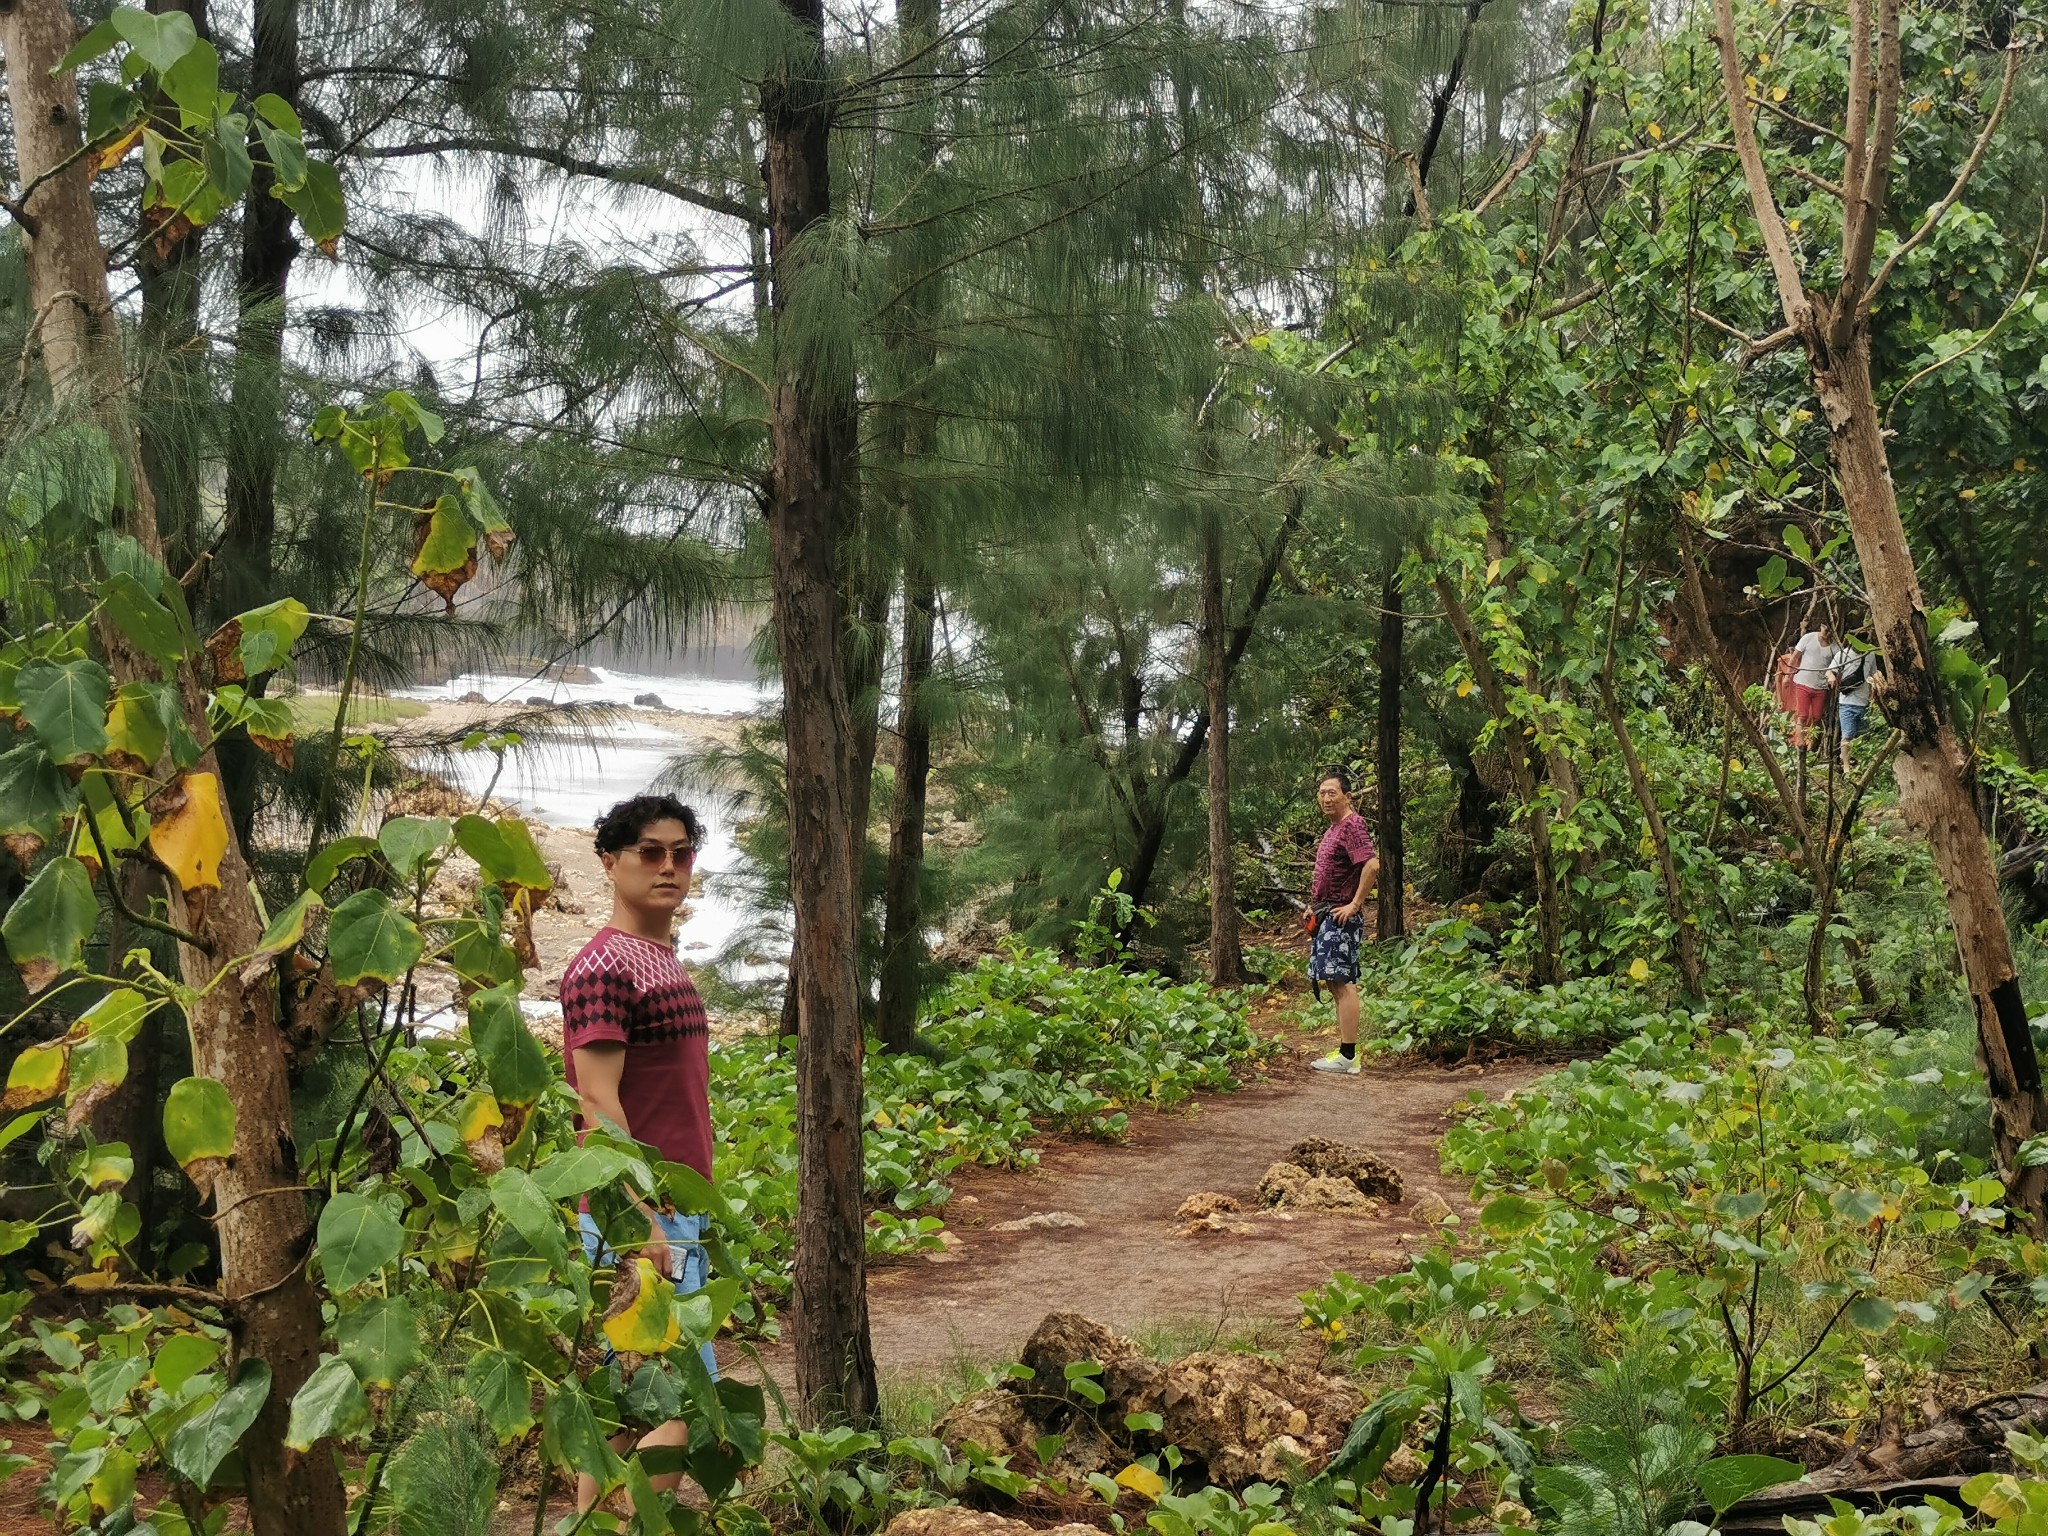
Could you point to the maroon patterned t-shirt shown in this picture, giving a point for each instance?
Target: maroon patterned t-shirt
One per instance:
(625, 990)
(1340, 858)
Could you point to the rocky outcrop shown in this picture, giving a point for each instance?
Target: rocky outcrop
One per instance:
(1236, 1418)
(1324, 1175)
(1249, 1419)
(1291, 1187)
(1327, 1159)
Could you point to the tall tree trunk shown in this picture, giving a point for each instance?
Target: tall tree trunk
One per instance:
(173, 369)
(244, 572)
(903, 951)
(813, 441)
(1226, 954)
(264, 1237)
(1934, 793)
(257, 406)
(1932, 774)
(1393, 922)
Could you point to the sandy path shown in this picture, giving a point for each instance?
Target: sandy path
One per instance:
(1129, 1266)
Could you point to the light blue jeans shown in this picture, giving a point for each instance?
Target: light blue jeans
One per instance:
(688, 1269)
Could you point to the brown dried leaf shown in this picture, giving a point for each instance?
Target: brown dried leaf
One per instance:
(224, 646)
(202, 1171)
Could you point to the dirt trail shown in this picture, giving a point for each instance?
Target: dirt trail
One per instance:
(1129, 1266)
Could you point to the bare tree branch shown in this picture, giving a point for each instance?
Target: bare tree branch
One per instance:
(1799, 309)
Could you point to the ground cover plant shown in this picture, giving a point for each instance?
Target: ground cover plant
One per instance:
(1744, 1241)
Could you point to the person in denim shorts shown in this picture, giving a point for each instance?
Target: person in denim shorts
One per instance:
(1347, 869)
(637, 1051)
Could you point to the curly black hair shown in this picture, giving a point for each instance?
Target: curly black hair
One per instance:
(621, 826)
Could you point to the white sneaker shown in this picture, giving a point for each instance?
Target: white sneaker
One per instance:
(1336, 1061)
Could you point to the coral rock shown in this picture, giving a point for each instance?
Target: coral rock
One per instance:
(1373, 1174)
(1292, 1187)
(1067, 1338)
(1039, 1219)
(1431, 1209)
(1250, 1419)
(1207, 1203)
(995, 1420)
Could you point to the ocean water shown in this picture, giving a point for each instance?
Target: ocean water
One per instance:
(569, 780)
(692, 694)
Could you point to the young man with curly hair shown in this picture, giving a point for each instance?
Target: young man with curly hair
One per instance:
(636, 1046)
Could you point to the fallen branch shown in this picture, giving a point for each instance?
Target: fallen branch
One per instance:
(1933, 1459)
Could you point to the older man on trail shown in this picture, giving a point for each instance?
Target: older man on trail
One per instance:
(1347, 870)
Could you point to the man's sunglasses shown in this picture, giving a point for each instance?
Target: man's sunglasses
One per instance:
(657, 855)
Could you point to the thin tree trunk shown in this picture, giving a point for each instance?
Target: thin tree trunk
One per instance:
(1393, 922)
(813, 441)
(1689, 974)
(257, 406)
(173, 369)
(244, 572)
(264, 1239)
(1226, 954)
(903, 951)
(1549, 903)
(863, 697)
(1828, 883)
(1723, 673)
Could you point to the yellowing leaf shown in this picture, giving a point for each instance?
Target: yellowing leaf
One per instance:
(188, 832)
(1464, 687)
(1142, 1480)
(480, 1112)
(37, 1074)
(1655, 132)
(1997, 1495)
(1639, 969)
(647, 1325)
(882, 1121)
(1777, 93)
(117, 151)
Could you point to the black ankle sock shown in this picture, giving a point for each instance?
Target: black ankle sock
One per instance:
(1348, 1050)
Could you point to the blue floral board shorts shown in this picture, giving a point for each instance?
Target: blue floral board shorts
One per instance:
(688, 1269)
(1333, 952)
